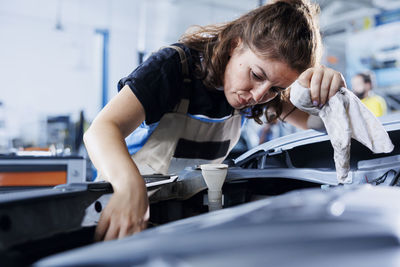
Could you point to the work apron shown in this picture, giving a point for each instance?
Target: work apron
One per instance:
(180, 140)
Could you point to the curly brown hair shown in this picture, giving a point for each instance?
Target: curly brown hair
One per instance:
(284, 30)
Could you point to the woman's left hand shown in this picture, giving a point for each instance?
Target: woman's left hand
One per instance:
(323, 83)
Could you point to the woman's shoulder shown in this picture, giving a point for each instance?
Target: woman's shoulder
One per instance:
(170, 59)
(158, 81)
(174, 51)
(181, 52)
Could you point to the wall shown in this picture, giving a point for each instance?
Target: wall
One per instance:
(49, 70)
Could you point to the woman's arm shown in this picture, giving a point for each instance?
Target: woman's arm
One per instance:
(127, 211)
(323, 83)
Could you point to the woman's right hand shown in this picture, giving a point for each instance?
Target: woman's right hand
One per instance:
(126, 213)
(128, 210)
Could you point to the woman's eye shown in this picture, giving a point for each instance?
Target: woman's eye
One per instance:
(257, 77)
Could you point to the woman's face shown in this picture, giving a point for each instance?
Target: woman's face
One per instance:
(250, 79)
(359, 87)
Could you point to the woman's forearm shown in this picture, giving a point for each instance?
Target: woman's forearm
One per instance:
(107, 150)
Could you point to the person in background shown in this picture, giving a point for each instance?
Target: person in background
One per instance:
(186, 103)
(362, 87)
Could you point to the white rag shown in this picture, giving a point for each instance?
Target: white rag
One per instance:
(344, 117)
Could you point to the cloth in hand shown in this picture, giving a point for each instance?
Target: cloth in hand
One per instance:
(344, 117)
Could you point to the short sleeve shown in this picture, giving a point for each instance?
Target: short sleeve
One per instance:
(157, 83)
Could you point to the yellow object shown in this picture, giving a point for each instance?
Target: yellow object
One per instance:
(376, 104)
(367, 23)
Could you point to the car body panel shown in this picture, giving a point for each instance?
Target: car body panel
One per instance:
(344, 226)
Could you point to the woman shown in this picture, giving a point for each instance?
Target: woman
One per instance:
(194, 95)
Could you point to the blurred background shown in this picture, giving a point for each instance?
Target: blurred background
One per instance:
(60, 60)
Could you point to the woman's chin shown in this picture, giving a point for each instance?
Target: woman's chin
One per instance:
(236, 105)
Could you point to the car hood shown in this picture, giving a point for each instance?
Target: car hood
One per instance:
(342, 226)
(390, 122)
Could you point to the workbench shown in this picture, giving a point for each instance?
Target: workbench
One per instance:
(41, 170)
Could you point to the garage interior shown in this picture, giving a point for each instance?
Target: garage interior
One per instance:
(61, 61)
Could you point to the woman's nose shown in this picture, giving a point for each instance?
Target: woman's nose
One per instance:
(259, 92)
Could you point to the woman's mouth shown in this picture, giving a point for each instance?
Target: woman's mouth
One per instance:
(246, 102)
(242, 102)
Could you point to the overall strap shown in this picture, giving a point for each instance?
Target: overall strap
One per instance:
(184, 103)
(185, 67)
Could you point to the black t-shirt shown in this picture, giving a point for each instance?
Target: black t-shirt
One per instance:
(158, 85)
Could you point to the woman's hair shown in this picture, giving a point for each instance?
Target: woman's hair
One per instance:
(283, 30)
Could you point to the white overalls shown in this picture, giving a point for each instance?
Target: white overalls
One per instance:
(180, 141)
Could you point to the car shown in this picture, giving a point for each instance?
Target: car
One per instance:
(310, 227)
(283, 206)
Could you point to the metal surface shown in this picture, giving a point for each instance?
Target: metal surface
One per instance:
(291, 141)
(30, 215)
(366, 166)
(346, 226)
(35, 214)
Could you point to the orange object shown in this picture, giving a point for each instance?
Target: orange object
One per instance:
(36, 149)
(332, 60)
(46, 178)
